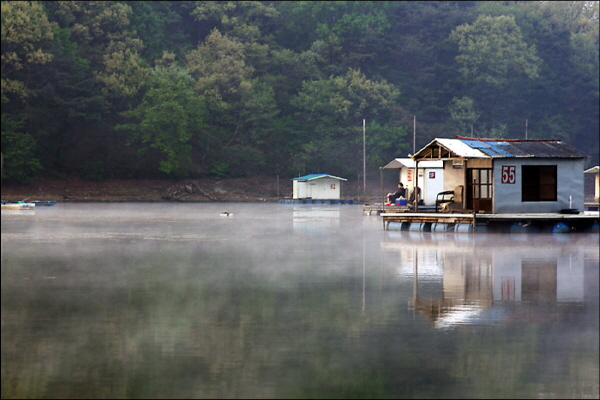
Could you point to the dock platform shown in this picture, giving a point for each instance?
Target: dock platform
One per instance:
(474, 222)
(378, 208)
(369, 209)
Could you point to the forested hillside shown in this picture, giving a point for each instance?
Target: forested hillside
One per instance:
(175, 89)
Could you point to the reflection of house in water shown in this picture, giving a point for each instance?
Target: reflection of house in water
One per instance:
(465, 283)
(312, 220)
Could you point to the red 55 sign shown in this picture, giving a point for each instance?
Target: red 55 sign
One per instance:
(509, 174)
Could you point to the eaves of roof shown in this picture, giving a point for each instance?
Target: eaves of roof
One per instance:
(311, 177)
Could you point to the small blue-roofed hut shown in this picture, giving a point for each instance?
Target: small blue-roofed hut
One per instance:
(318, 187)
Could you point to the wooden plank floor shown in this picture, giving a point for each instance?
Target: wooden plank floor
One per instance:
(369, 209)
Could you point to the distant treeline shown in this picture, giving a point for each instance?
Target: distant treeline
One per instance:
(149, 89)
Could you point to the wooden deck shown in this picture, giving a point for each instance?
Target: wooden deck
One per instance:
(369, 209)
(378, 208)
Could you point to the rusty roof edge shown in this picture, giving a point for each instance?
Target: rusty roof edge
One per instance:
(507, 140)
(448, 145)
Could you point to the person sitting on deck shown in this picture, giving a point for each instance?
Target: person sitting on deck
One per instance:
(399, 193)
(411, 200)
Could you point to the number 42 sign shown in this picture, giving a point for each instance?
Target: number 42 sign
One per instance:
(509, 174)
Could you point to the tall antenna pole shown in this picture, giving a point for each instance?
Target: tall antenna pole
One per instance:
(414, 134)
(364, 160)
(526, 123)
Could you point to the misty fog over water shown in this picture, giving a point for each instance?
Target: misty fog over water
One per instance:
(159, 300)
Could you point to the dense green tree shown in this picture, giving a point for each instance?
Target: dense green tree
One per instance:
(251, 87)
(350, 97)
(167, 119)
(104, 37)
(221, 71)
(564, 101)
(26, 35)
(496, 64)
(341, 34)
(164, 26)
(418, 57)
(240, 19)
(240, 106)
(492, 49)
(462, 110)
(19, 161)
(68, 114)
(333, 110)
(26, 32)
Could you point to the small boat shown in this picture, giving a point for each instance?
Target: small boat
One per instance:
(43, 202)
(20, 205)
(226, 214)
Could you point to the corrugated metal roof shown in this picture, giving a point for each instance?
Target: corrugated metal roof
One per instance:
(503, 148)
(311, 177)
(498, 148)
(460, 148)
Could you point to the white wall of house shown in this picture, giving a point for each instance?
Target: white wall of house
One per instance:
(595, 171)
(320, 188)
(431, 182)
(299, 189)
(453, 177)
(508, 192)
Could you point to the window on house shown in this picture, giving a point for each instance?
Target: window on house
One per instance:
(539, 182)
(480, 183)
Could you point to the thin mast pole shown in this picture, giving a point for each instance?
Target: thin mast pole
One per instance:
(364, 161)
(414, 134)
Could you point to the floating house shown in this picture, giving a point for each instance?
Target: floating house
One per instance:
(596, 171)
(509, 175)
(317, 187)
(430, 175)
(503, 184)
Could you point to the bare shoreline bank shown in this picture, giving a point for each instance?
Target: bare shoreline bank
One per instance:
(254, 189)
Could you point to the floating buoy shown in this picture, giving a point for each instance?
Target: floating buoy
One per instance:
(561, 227)
(463, 228)
(420, 226)
(524, 228)
(440, 227)
(481, 228)
(394, 226)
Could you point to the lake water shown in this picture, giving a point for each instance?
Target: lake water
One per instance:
(147, 300)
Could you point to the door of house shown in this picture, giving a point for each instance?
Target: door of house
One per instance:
(479, 189)
(433, 184)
